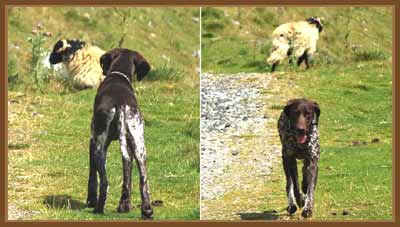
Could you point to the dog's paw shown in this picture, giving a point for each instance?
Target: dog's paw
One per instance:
(291, 209)
(306, 213)
(98, 210)
(147, 214)
(91, 203)
(124, 207)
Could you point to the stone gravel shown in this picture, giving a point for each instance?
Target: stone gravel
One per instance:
(238, 144)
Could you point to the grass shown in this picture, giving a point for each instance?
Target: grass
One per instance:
(243, 42)
(49, 131)
(355, 174)
(351, 79)
(60, 159)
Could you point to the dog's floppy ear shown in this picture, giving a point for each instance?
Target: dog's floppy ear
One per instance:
(142, 67)
(288, 106)
(316, 109)
(105, 62)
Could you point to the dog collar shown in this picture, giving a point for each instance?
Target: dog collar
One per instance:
(122, 74)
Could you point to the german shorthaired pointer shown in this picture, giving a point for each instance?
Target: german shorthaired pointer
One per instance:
(116, 116)
(298, 132)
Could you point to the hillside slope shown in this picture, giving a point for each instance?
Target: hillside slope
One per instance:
(238, 39)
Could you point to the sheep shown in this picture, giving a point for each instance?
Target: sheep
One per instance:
(81, 61)
(295, 38)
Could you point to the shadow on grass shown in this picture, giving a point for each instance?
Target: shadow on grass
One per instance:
(266, 215)
(63, 202)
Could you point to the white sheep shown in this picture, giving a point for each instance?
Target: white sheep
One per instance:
(295, 38)
(81, 61)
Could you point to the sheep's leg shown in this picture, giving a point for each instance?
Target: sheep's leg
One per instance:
(136, 141)
(301, 59)
(273, 67)
(306, 58)
(125, 201)
(289, 55)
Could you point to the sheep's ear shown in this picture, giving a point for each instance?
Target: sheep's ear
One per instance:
(142, 67)
(105, 62)
(55, 56)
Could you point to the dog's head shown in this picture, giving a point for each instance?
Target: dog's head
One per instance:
(317, 21)
(301, 113)
(125, 61)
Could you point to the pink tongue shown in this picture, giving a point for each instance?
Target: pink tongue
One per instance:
(301, 139)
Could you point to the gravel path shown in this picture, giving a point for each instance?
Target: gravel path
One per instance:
(238, 144)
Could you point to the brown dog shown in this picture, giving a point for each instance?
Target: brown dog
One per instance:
(116, 116)
(298, 132)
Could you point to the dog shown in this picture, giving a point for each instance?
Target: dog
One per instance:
(116, 116)
(298, 132)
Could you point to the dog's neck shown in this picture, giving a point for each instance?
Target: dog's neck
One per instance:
(122, 74)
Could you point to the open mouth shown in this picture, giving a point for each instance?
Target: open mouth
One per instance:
(301, 139)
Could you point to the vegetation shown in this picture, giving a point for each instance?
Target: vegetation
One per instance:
(49, 128)
(351, 79)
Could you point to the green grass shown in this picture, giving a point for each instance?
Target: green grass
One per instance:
(351, 79)
(164, 36)
(48, 150)
(61, 155)
(356, 107)
(238, 39)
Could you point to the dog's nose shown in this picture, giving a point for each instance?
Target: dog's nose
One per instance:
(301, 131)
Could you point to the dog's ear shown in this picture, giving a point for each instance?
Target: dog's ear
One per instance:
(288, 106)
(142, 67)
(316, 109)
(105, 62)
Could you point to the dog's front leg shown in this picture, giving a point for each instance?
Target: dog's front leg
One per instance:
(310, 177)
(92, 182)
(292, 208)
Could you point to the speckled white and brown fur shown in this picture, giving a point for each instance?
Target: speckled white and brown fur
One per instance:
(116, 116)
(309, 152)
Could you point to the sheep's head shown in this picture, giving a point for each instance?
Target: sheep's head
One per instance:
(125, 61)
(317, 21)
(64, 50)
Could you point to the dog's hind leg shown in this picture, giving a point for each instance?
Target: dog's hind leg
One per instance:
(101, 125)
(92, 182)
(127, 158)
(136, 141)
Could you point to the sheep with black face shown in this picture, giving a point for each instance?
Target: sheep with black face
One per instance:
(80, 60)
(295, 38)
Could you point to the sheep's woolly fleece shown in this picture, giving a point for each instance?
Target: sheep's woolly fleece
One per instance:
(301, 36)
(85, 68)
